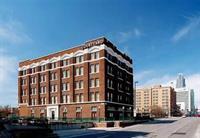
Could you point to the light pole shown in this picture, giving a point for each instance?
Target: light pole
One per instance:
(134, 98)
(81, 114)
(99, 112)
(123, 112)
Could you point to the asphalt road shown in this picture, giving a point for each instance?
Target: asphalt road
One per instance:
(164, 128)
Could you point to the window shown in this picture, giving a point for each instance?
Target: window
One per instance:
(53, 76)
(110, 69)
(65, 86)
(43, 100)
(68, 99)
(33, 70)
(92, 96)
(42, 78)
(79, 59)
(33, 101)
(66, 73)
(42, 89)
(33, 91)
(81, 84)
(77, 98)
(64, 98)
(119, 87)
(79, 71)
(97, 96)
(109, 83)
(24, 72)
(92, 84)
(23, 81)
(43, 68)
(110, 96)
(53, 65)
(23, 92)
(94, 55)
(94, 68)
(81, 97)
(53, 88)
(66, 62)
(33, 80)
(53, 100)
(97, 82)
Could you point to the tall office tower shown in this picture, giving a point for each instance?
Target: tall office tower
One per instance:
(180, 81)
(93, 80)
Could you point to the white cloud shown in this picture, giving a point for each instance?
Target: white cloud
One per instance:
(125, 36)
(192, 25)
(8, 79)
(12, 32)
(143, 74)
(192, 81)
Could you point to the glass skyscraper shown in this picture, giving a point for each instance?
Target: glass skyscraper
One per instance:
(180, 81)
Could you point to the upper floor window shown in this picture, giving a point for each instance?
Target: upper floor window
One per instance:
(79, 84)
(94, 83)
(109, 83)
(53, 65)
(33, 91)
(94, 96)
(65, 86)
(42, 78)
(94, 68)
(33, 80)
(23, 92)
(66, 62)
(79, 71)
(94, 55)
(43, 68)
(79, 59)
(24, 72)
(33, 70)
(23, 81)
(53, 76)
(110, 69)
(54, 100)
(43, 89)
(53, 88)
(66, 73)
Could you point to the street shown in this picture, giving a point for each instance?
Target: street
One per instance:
(163, 128)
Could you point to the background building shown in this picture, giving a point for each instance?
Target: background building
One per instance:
(163, 97)
(184, 96)
(180, 81)
(185, 100)
(93, 80)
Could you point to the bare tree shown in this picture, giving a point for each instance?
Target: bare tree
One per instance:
(157, 111)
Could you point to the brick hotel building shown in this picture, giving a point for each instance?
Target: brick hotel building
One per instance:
(93, 80)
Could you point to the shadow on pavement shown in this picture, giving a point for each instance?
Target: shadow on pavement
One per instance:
(106, 134)
(160, 122)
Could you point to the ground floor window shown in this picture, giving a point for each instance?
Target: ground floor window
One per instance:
(94, 115)
(64, 115)
(78, 114)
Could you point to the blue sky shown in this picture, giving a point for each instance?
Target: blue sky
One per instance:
(162, 37)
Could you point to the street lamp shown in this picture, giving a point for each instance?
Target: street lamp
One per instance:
(99, 112)
(123, 112)
(81, 113)
(134, 98)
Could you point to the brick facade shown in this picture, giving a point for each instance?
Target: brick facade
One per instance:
(91, 80)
